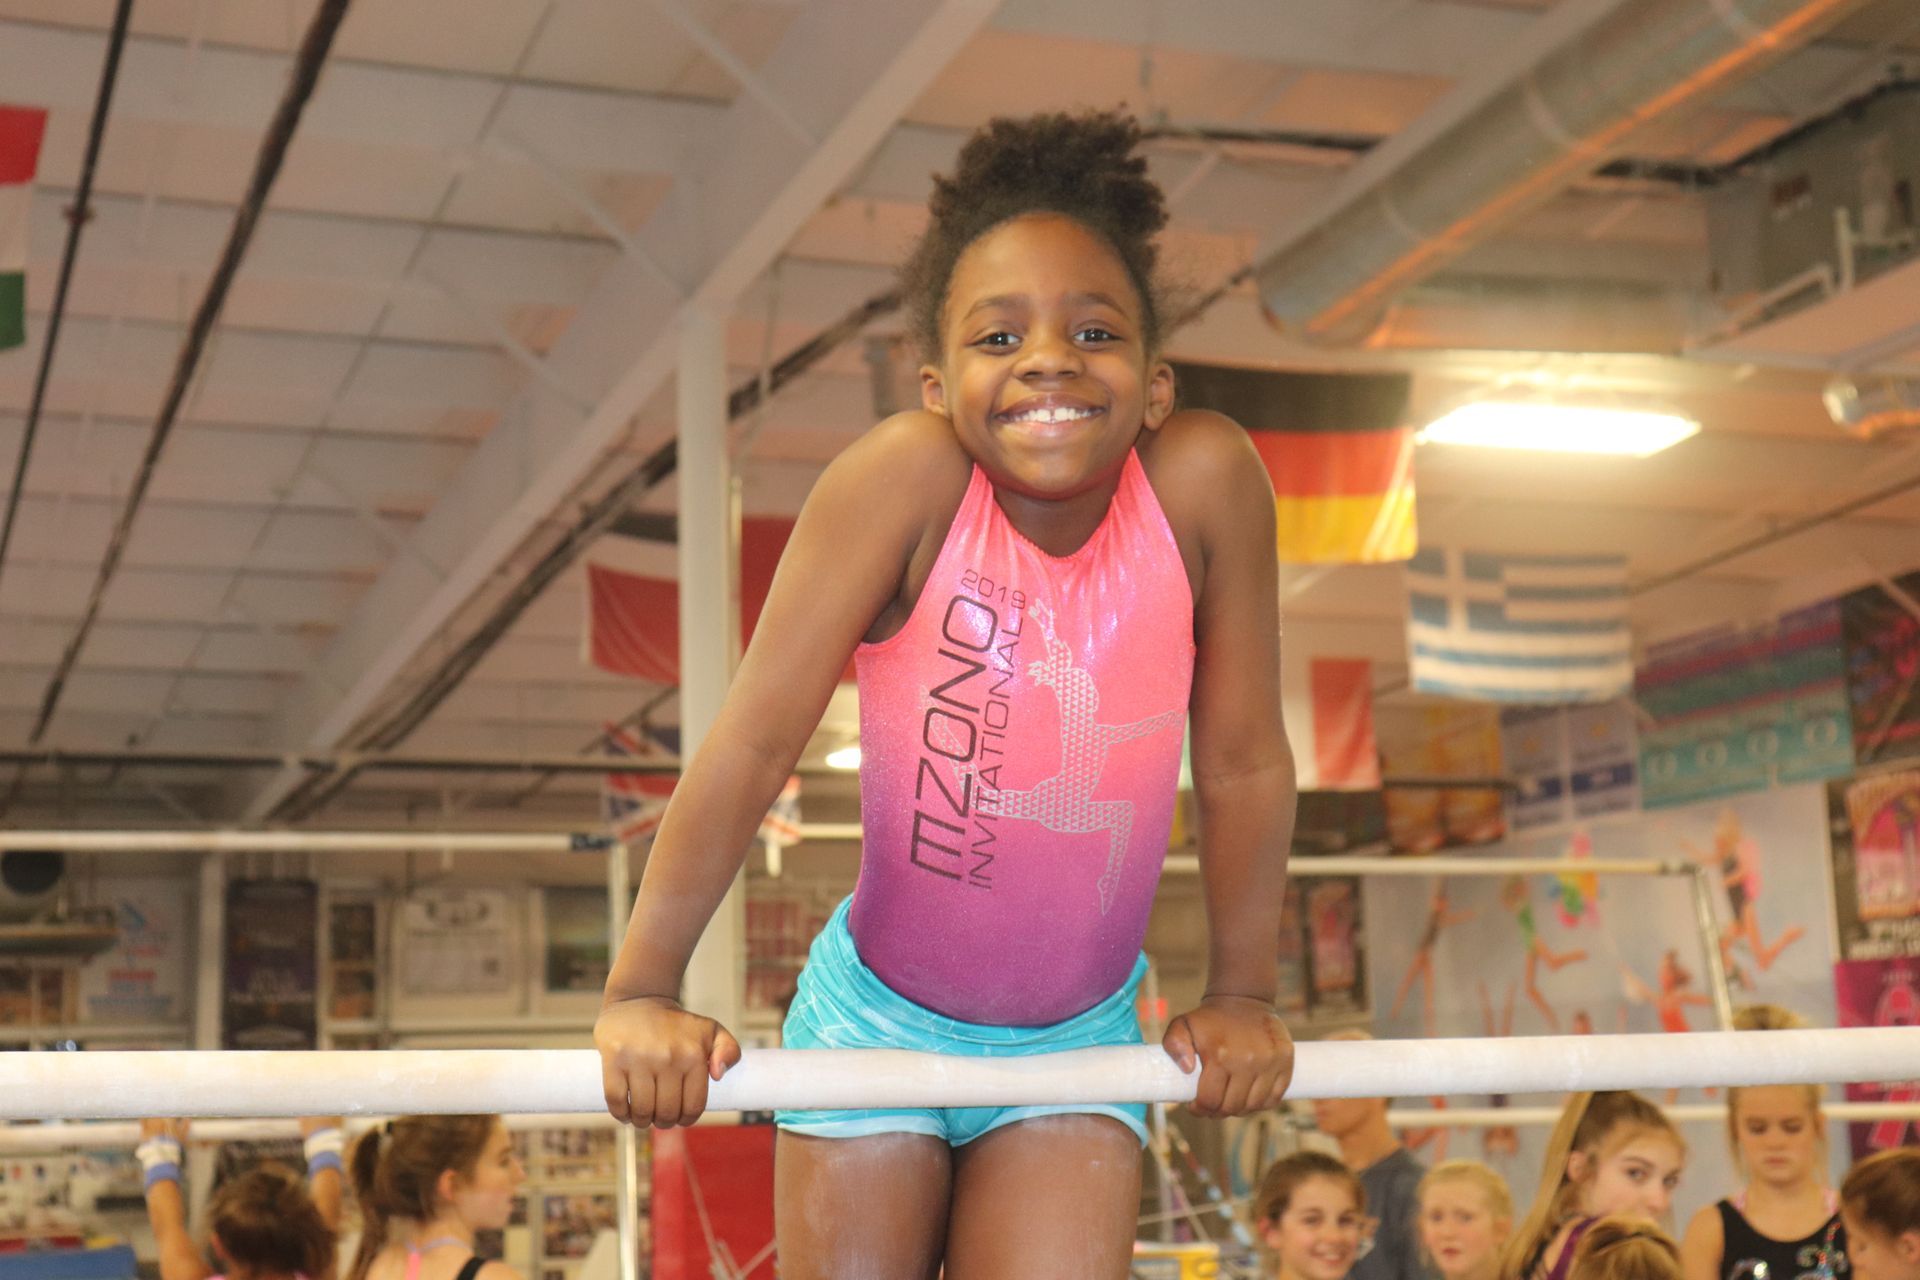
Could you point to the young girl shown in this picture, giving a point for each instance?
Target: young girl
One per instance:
(1612, 1153)
(1042, 571)
(263, 1225)
(1311, 1211)
(1786, 1216)
(1465, 1216)
(425, 1185)
(1626, 1249)
(1880, 1204)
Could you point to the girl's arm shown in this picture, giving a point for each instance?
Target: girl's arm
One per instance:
(1702, 1246)
(1242, 766)
(161, 1142)
(323, 1140)
(843, 566)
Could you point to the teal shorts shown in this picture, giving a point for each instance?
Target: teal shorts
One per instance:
(842, 1004)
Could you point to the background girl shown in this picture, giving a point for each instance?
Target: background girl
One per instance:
(1311, 1211)
(264, 1224)
(1785, 1217)
(1626, 1249)
(1880, 1204)
(425, 1185)
(1612, 1153)
(1465, 1216)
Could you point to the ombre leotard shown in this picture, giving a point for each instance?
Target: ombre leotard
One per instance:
(1020, 753)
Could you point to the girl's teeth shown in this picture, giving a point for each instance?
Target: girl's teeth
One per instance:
(1053, 415)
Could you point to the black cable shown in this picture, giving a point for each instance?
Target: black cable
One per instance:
(273, 151)
(78, 215)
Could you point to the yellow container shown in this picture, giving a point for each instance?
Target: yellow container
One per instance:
(1156, 1260)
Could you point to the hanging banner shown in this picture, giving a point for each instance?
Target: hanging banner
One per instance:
(1879, 993)
(1882, 637)
(272, 965)
(456, 942)
(575, 919)
(1741, 710)
(1336, 948)
(1570, 762)
(1875, 839)
(143, 979)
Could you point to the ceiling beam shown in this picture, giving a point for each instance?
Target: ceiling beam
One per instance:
(738, 201)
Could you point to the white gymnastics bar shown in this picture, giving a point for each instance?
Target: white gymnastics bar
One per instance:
(1684, 1113)
(127, 1085)
(103, 1135)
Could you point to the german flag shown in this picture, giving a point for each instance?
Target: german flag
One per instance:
(1337, 449)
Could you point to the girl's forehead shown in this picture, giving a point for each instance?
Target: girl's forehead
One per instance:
(1770, 1102)
(1040, 256)
(1456, 1191)
(1321, 1191)
(1654, 1148)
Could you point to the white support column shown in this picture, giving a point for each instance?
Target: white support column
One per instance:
(709, 619)
(209, 992)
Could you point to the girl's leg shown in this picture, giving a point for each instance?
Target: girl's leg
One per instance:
(872, 1208)
(1051, 1198)
(1533, 988)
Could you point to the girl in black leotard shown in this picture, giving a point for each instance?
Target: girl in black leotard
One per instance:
(1784, 1224)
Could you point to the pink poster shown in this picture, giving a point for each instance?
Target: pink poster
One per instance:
(1879, 993)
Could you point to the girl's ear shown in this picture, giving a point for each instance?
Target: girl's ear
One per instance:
(1159, 405)
(1906, 1246)
(446, 1185)
(1579, 1166)
(933, 390)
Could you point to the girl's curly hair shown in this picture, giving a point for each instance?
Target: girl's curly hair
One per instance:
(1082, 166)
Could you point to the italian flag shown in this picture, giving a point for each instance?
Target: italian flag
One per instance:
(20, 130)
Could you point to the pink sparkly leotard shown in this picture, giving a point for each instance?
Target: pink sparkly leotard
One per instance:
(1020, 752)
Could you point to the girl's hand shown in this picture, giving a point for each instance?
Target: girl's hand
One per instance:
(656, 1060)
(158, 1128)
(1244, 1051)
(310, 1125)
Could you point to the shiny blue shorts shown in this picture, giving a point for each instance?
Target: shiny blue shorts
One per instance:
(842, 1004)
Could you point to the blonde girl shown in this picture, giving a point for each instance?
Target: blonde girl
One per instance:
(1465, 1215)
(1786, 1217)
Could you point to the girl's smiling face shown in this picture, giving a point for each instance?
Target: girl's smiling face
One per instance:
(1318, 1234)
(1459, 1228)
(1635, 1180)
(1044, 371)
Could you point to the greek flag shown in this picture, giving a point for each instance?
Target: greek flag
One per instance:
(1518, 628)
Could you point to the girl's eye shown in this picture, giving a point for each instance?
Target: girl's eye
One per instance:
(1097, 333)
(999, 338)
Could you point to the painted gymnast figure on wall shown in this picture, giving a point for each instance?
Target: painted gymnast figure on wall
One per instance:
(1515, 897)
(1735, 856)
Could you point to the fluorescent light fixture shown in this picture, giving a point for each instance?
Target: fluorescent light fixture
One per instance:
(844, 758)
(1556, 428)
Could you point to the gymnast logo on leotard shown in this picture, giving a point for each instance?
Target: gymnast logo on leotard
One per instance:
(1064, 803)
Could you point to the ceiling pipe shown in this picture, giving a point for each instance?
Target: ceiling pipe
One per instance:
(1558, 121)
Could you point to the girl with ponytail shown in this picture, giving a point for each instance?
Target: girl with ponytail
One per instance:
(425, 1185)
(1612, 1153)
(265, 1224)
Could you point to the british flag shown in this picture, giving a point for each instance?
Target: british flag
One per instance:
(632, 804)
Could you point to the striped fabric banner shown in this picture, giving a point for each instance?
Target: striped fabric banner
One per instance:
(1335, 448)
(1518, 628)
(20, 132)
